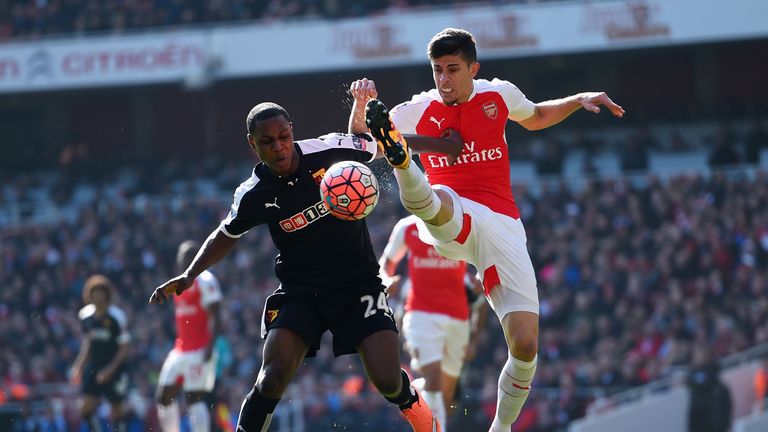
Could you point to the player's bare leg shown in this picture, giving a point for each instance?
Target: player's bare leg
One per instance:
(521, 331)
(380, 353)
(199, 416)
(88, 412)
(448, 386)
(168, 408)
(433, 390)
(433, 206)
(284, 351)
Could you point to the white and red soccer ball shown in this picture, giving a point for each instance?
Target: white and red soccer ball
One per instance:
(349, 190)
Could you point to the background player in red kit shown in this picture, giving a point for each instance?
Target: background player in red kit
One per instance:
(191, 365)
(470, 214)
(436, 324)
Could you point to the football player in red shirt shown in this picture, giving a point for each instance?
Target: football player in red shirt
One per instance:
(191, 364)
(436, 324)
(469, 214)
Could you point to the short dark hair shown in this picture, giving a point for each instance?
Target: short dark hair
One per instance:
(453, 41)
(263, 111)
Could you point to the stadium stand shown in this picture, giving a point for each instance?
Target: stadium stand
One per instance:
(636, 270)
(42, 18)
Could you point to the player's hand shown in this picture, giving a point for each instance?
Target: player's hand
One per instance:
(456, 144)
(76, 376)
(363, 90)
(591, 101)
(177, 285)
(392, 285)
(104, 375)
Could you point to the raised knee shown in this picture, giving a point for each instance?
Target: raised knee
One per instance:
(526, 346)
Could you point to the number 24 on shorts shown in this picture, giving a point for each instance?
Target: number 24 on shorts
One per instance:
(381, 303)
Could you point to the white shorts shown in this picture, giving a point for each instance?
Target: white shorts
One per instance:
(197, 375)
(496, 245)
(435, 337)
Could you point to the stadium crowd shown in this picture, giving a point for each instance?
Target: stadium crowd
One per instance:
(633, 272)
(30, 19)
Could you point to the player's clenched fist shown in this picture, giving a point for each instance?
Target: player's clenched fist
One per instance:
(363, 89)
(177, 285)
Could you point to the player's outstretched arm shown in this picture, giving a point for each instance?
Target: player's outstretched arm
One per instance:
(216, 246)
(363, 90)
(450, 144)
(552, 112)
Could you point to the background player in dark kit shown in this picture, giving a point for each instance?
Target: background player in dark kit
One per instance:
(100, 364)
(327, 269)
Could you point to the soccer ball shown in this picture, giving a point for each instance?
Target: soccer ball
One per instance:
(349, 190)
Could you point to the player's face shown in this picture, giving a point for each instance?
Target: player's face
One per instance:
(100, 298)
(453, 78)
(273, 141)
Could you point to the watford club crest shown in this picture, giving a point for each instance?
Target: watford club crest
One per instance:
(318, 175)
(271, 315)
(491, 110)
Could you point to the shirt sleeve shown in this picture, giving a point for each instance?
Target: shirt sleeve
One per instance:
(520, 108)
(122, 322)
(407, 115)
(243, 215)
(82, 316)
(357, 147)
(210, 291)
(396, 247)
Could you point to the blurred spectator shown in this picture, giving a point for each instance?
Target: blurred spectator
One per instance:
(755, 141)
(634, 154)
(550, 161)
(677, 143)
(723, 151)
(710, 406)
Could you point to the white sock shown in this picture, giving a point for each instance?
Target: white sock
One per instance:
(514, 386)
(169, 417)
(416, 194)
(418, 384)
(199, 417)
(435, 401)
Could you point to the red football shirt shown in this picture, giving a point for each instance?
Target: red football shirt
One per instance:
(481, 172)
(437, 283)
(192, 328)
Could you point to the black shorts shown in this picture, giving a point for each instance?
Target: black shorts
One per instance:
(350, 321)
(115, 390)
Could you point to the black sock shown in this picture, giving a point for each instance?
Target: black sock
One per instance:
(256, 412)
(407, 395)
